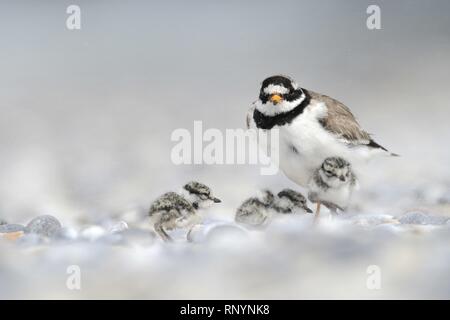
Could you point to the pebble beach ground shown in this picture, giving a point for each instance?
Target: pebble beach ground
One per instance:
(289, 259)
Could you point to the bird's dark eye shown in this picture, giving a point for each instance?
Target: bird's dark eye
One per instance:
(263, 96)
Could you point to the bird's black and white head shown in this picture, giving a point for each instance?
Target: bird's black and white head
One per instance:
(290, 201)
(199, 195)
(335, 171)
(279, 95)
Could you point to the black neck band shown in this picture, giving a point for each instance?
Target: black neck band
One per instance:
(268, 122)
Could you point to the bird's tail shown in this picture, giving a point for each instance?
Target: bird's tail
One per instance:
(375, 145)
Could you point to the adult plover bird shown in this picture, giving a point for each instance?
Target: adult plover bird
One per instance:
(332, 185)
(312, 127)
(180, 210)
(258, 211)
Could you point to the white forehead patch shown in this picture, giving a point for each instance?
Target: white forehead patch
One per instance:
(272, 88)
(269, 109)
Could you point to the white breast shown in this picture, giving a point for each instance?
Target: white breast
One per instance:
(339, 195)
(312, 144)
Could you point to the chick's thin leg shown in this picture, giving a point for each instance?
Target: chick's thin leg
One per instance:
(316, 217)
(162, 233)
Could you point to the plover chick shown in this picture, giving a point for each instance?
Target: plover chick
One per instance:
(180, 210)
(255, 211)
(290, 201)
(332, 185)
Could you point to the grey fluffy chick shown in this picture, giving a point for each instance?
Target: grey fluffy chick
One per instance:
(290, 201)
(332, 185)
(257, 211)
(180, 210)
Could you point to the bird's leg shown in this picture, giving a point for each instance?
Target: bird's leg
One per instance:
(162, 233)
(316, 217)
(334, 208)
(189, 235)
(334, 212)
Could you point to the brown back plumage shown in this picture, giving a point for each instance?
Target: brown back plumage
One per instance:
(340, 120)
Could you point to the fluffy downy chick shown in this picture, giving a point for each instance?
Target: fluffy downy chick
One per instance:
(332, 184)
(180, 210)
(257, 211)
(290, 201)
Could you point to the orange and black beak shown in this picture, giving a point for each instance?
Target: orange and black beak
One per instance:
(276, 98)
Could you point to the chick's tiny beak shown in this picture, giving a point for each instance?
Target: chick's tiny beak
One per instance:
(275, 98)
(216, 200)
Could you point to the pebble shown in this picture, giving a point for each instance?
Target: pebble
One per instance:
(120, 226)
(66, 234)
(366, 220)
(7, 228)
(11, 231)
(44, 225)
(216, 233)
(417, 217)
(226, 233)
(93, 233)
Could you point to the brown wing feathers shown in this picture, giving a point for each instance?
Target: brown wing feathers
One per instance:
(342, 122)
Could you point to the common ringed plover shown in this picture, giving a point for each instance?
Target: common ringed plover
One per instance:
(312, 127)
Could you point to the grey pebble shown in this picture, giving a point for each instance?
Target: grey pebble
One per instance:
(216, 232)
(66, 234)
(422, 218)
(92, 233)
(119, 227)
(44, 225)
(7, 228)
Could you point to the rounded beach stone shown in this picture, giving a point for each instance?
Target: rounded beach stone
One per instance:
(66, 234)
(119, 227)
(422, 218)
(8, 228)
(92, 233)
(44, 225)
(11, 231)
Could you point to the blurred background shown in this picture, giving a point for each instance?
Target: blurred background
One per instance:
(86, 119)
